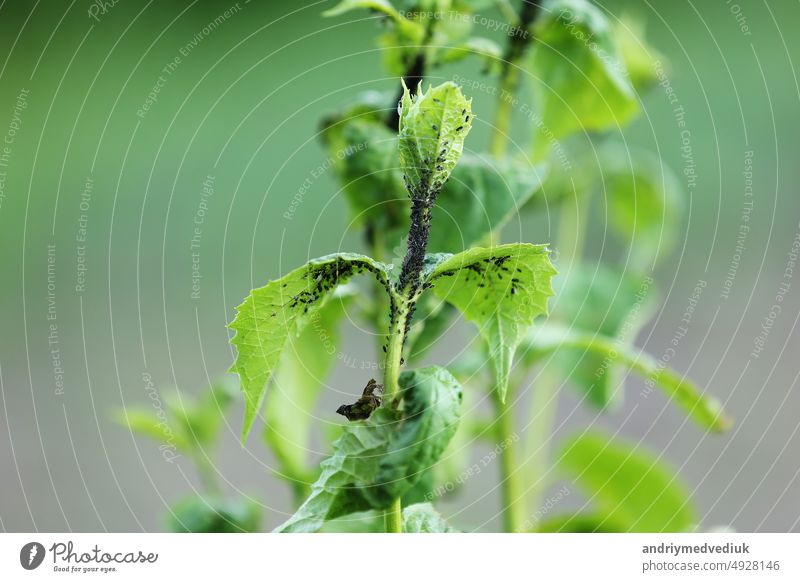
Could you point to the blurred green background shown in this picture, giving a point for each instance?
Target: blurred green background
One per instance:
(240, 110)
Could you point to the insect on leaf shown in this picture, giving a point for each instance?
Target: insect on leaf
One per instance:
(381, 458)
(361, 409)
(433, 125)
(272, 315)
(502, 290)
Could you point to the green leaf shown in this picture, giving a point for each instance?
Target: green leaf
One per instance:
(644, 202)
(640, 58)
(214, 515)
(433, 126)
(362, 522)
(596, 299)
(183, 422)
(339, 490)
(482, 195)
(704, 410)
(432, 409)
(628, 485)
(301, 373)
(580, 77)
(502, 290)
(421, 491)
(364, 154)
(423, 518)
(454, 466)
(150, 424)
(367, 106)
(273, 314)
(371, 175)
(580, 523)
(383, 6)
(400, 44)
(485, 48)
(200, 421)
(378, 460)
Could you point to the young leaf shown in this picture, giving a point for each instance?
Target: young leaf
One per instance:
(301, 373)
(145, 422)
(214, 515)
(481, 195)
(184, 423)
(704, 410)
(629, 486)
(423, 518)
(200, 421)
(272, 314)
(501, 289)
(595, 299)
(379, 459)
(479, 199)
(433, 126)
(581, 82)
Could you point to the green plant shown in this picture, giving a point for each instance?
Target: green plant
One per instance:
(409, 183)
(190, 428)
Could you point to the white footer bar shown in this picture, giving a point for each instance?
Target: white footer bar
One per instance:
(389, 558)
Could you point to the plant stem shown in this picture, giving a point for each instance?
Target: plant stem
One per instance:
(502, 116)
(509, 76)
(513, 511)
(403, 300)
(393, 518)
(394, 348)
(544, 404)
(414, 75)
(572, 229)
(206, 472)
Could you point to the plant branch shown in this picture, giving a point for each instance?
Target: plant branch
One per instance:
(418, 234)
(544, 404)
(206, 471)
(513, 511)
(403, 302)
(393, 518)
(509, 75)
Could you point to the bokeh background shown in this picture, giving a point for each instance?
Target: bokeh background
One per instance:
(242, 107)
